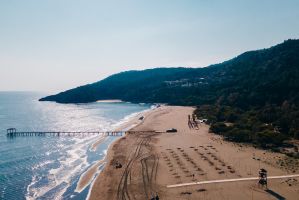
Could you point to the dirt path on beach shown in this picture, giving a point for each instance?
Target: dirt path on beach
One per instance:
(136, 179)
(151, 161)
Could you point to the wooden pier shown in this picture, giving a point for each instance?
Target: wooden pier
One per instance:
(12, 132)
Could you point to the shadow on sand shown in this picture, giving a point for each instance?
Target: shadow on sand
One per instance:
(277, 196)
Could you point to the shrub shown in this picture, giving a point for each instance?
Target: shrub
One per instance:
(239, 135)
(219, 128)
(267, 137)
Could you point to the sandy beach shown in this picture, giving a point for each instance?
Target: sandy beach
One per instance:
(154, 160)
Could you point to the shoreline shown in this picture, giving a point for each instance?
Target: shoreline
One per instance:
(186, 156)
(88, 177)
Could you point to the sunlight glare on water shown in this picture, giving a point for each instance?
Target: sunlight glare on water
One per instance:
(49, 167)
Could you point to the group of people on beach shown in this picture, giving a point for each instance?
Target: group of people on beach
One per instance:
(192, 122)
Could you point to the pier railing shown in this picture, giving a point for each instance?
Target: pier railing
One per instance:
(12, 132)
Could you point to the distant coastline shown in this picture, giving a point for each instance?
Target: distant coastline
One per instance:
(110, 101)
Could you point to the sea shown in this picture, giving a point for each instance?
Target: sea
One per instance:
(49, 167)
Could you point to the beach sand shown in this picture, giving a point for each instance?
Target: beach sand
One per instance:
(151, 161)
(110, 101)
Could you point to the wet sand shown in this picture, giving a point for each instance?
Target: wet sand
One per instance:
(88, 176)
(151, 161)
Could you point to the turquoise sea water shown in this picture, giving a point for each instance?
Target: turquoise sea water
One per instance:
(50, 167)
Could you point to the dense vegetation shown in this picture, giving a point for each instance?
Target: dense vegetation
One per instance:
(266, 126)
(251, 98)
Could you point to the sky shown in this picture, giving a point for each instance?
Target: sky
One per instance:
(54, 45)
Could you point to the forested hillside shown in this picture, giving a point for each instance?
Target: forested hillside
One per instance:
(252, 98)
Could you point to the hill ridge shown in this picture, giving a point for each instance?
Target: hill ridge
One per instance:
(257, 92)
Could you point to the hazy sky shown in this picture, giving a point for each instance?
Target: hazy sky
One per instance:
(53, 45)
